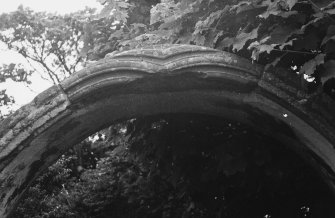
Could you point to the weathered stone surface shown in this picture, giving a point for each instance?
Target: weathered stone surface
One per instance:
(157, 80)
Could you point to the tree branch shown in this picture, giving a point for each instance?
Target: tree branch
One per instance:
(297, 52)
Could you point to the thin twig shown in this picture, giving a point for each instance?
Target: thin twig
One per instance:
(298, 52)
(34, 68)
(51, 73)
(28, 86)
(73, 67)
(62, 61)
(126, 27)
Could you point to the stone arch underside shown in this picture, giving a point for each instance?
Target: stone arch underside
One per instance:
(163, 79)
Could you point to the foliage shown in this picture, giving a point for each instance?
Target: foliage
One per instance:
(117, 8)
(47, 197)
(5, 99)
(225, 166)
(15, 72)
(55, 46)
(42, 199)
(49, 40)
(295, 34)
(210, 168)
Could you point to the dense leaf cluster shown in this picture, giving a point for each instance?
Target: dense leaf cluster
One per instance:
(52, 42)
(209, 168)
(295, 34)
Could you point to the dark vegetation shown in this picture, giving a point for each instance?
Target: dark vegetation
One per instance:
(177, 166)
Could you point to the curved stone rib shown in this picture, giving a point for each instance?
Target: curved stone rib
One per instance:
(134, 61)
(157, 80)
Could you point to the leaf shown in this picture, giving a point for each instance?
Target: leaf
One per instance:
(117, 9)
(330, 35)
(124, 5)
(226, 42)
(278, 8)
(282, 33)
(330, 47)
(260, 48)
(209, 21)
(277, 37)
(205, 30)
(286, 14)
(106, 11)
(191, 5)
(329, 71)
(5, 99)
(243, 37)
(290, 43)
(273, 8)
(309, 67)
(199, 40)
(309, 42)
(162, 11)
(273, 63)
(291, 3)
(245, 6)
(240, 40)
(318, 17)
(217, 37)
(121, 15)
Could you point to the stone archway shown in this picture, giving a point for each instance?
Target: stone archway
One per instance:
(162, 80)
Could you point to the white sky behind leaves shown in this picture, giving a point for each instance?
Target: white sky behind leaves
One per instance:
(59, 6)
(21, 93)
